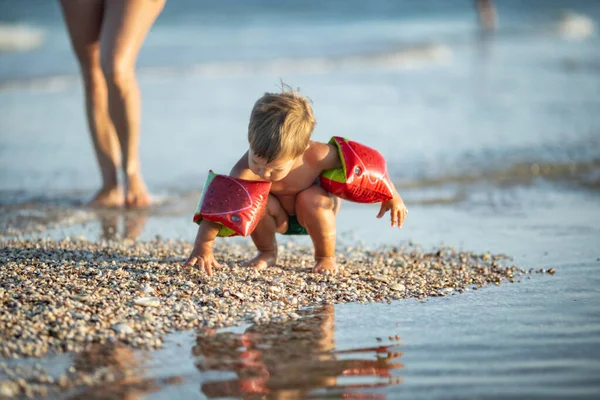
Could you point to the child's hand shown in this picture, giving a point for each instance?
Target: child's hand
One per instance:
(203, 257)
(397, 209)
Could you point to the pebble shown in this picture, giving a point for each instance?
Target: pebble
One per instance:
(147, 289)
(380, 278)
(80, 297)
(446, 291)
(397, 287)
(147, 301)
(8, 389)
(123, 328)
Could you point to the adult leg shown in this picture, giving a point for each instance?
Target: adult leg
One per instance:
(316, 211)
(124, 28)
(275, 219)
(84, 20)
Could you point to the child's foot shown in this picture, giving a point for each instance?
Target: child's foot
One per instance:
(137, 193)
(263, 260)
(325, 265)
(108, 197)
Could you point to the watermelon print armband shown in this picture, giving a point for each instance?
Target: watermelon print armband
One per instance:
(236, 204)
(363, 177)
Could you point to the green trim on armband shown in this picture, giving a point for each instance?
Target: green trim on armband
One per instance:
(337, 174)
(225, 231)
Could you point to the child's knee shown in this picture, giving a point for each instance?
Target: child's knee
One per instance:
(275, 210)
(315, 200)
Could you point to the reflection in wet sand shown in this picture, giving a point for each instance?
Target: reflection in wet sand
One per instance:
(37, 218)
(121, 225)
(113, 371)
(292, 360)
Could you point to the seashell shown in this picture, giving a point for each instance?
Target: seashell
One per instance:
(397, 287)
(446, 291)
(80, 297)
(147, 301)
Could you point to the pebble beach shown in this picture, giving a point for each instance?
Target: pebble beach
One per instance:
(75, 295)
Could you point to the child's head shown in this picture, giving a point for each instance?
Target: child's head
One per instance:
(279, 130)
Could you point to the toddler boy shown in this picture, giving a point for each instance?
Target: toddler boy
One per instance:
(282, 153)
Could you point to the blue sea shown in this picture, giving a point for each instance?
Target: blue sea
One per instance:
(493, 140)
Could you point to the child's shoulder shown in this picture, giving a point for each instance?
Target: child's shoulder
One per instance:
(321, 155)
(317, 150)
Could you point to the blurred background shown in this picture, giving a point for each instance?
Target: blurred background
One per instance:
(453, 106)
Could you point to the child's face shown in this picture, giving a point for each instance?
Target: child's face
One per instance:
(274, 171)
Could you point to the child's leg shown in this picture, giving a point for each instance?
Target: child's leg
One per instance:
(316, 210)
(274, 220)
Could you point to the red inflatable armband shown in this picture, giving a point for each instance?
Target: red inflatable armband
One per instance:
(363, 177)
(237, 204)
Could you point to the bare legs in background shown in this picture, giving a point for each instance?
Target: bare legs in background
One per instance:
(106, 36)
(488, 19)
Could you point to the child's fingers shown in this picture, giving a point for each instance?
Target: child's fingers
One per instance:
(207, 267)
(216, 264)
(402, 213)
(394, 215)
(382, 211)
(190, 261)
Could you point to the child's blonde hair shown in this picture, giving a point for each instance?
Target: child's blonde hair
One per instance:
(280, 125)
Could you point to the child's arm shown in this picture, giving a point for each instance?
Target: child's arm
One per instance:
(202, 253)
(241, 170)
(329, 159)
(327, 156)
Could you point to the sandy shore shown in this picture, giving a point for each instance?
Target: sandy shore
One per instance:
(76, 295)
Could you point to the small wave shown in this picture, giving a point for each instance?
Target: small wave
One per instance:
(410, 57)
(15, 37)
(583, 174)
(575, 26)
(404, 58)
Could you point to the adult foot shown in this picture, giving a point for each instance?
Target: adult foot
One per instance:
(263, 260)
(325, 265)
(137, 193)
(108, 197)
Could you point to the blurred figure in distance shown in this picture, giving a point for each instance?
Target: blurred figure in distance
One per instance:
(488, 18)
